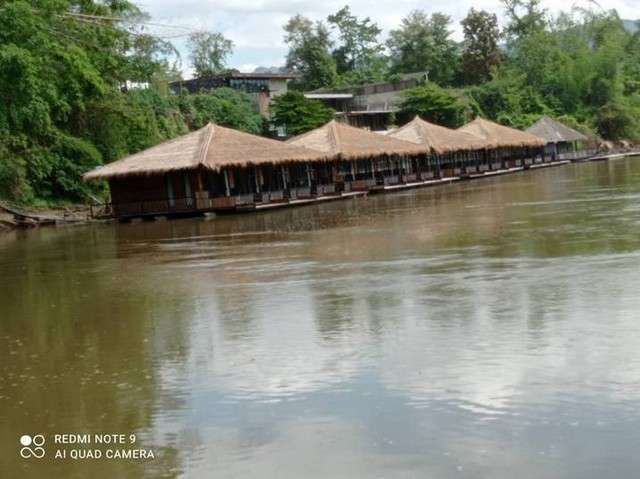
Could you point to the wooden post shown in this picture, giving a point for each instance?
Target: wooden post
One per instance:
(227, 191)
(172, 200)
(256, 173)
(284, 178)
(187, 185)
(199, 181)
(308, 175)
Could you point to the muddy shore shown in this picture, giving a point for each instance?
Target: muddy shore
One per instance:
(12, 217)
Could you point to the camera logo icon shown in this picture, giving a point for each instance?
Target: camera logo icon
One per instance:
(32, 446)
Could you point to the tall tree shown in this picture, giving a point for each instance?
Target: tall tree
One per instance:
(209, 52)
(423, 43)
(309, 52)
(481, 52)
(524, 17)
(359, 45)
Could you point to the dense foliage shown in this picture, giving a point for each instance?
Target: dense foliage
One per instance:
(67, 102)
(423, 43)
(583, 66)
(298, 114)
(434, 104)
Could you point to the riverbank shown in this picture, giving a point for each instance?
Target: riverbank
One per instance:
(13, 217)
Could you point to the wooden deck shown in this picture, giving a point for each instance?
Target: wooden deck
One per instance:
(306, 201)
(612, 156)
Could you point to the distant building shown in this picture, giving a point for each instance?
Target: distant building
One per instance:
(372, 106)
(261, 86)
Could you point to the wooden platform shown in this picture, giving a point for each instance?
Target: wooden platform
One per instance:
(307, 201)
(612, 156)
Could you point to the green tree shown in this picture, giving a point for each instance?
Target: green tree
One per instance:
(225, 106)
(64, 108)
(509, 100)
(376, 71)
(423, 43)
(434, 104)
(298, 114)
(524, 17)
(481, 52)
(153, 59)
(309, 53)
(358, 47)
(209, 52)
(53, 64)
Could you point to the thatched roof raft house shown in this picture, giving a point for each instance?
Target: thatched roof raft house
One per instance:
(499, 136)
(553, 131)
(437, 139)
(351, 143)
(221, 169)
(212, 147)
(562, 142)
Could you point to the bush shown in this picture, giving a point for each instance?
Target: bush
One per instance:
(224, 106)
(299, 114)
(434, 104)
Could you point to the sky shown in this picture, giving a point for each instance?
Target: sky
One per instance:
(255, 26)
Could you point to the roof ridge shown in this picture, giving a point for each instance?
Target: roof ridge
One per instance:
(335, 136)
(204, 148)
(424, 135)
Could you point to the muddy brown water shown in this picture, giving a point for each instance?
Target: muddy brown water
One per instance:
(482, 329)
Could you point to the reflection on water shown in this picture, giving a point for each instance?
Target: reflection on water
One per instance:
(472, 330)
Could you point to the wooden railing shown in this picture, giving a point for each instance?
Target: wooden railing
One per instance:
(151, 207)
(391, 180)
(576, 155)
(300, 192)
(410, 178)
(360, 185)
(323, 190)
(246, 199)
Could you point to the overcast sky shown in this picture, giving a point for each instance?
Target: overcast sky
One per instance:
(255, 26)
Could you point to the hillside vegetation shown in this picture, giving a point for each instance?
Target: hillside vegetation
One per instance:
(81, 84)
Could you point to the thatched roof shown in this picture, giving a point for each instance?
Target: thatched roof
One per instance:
(351, 143)
(498, 136)
(436, 138)
(212, 147)
(554, 132)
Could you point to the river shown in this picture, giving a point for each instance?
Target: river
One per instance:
(488, 328)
